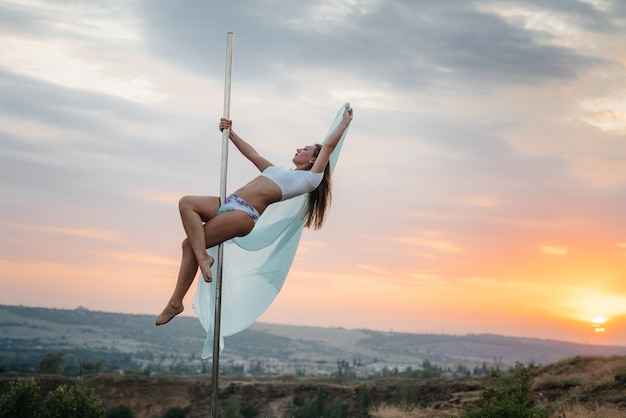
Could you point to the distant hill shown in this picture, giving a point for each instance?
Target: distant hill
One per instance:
(32, 331)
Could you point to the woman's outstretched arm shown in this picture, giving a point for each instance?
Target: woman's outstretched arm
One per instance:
(246, 149)
(329, 145)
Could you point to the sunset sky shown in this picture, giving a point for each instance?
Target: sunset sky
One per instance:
(481, 188)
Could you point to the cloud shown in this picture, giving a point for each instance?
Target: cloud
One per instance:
(53, 61)
(601, 171)
(426, 44)
(99, 234)
(556, 18)
(439, 245)
(143, 259)
(372, 269)
(427, 277)
(553, 250)
(607, 119)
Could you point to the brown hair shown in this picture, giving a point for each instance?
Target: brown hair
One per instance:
(319, 199)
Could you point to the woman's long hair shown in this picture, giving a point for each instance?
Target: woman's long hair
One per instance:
(319, 199)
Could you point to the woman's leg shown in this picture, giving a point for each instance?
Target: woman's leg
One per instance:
(216, 230)
(186, 274)
(194, 210)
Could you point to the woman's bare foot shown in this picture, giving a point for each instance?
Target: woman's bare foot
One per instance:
(205, 268)
(170, 311)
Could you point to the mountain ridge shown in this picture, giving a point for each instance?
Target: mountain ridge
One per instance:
(40, 330)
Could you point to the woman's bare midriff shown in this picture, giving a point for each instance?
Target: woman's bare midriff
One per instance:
(260, 193)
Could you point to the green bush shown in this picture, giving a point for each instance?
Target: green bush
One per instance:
(249, 412)
(22, 400)
(175, 412)
(232, 407)
(620, 377)
(313, 408)
(77, 401)
(309, 409)
(51, 363)
(510, 397)
(407, 397)
(366, 402)
(339, 409)
(121, 411)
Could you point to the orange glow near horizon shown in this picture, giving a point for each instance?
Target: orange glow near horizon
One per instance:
(550, 296)
(370, 300)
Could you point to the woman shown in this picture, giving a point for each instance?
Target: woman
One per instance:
(207, 223)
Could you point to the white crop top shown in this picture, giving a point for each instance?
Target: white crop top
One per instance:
(291, 182)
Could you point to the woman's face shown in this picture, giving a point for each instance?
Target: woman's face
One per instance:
(304, 155)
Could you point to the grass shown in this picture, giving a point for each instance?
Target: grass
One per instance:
(387, 411)
(584, 376)
(580, 411)
(574, 411)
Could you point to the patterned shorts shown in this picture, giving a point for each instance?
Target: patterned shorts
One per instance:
(234, 202)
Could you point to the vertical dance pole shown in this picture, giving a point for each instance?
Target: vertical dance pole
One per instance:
(220, 249)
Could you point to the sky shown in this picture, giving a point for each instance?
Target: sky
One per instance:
(481, 188)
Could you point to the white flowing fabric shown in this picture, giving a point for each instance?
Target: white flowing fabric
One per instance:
(255, 266)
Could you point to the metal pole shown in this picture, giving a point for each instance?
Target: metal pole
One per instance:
(230, 37)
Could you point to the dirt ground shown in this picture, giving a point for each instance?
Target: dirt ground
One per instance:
(580, 382)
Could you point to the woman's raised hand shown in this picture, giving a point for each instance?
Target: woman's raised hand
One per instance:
(225, 124)
(347, 116)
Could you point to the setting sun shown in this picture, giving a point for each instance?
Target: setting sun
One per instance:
(598, 323)
(584, 304)
(598, 320)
